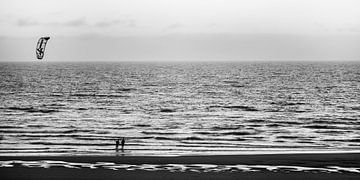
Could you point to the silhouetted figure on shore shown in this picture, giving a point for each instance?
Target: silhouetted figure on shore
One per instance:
(122, 143)
(117, 145)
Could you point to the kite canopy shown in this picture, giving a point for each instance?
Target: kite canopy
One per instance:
(40, 47)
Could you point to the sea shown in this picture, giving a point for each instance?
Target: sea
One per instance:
(188, 108)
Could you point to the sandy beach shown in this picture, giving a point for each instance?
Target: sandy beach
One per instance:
(274, 166)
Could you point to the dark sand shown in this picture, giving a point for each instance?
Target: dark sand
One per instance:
(304, 160)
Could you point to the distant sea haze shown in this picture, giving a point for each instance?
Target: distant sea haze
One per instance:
(178, 108)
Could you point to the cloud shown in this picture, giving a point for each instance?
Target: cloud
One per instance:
(26, 22)
(173, 27)
(71, 23)
(107, 23)
(132, 23)
(76, 23)
(79, 22)
(355, 28)
(91, 36)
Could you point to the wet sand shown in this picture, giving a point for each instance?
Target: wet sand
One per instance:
(343, 160)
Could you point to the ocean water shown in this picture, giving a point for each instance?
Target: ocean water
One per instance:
(68, 108)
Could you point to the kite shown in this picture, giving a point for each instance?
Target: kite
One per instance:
(40, 47)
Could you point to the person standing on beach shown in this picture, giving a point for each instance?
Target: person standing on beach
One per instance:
(117, 145)
(122, 143)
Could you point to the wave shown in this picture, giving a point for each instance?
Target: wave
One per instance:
(344, 140)
(38, 136)
(112, 95)
(286, 103)
(287, 137)
(101, 132)
(77, 130)
(8, 127)
(158, 133)
(163, 138)
(256, 120)
(98, 95)
(56, 95)
(193, 138)
(230, 81)
(350, 121)
(36, 126)
(287, 122)
(338, 121)
(321, 127)
(70, 143)
(142, 125)
(45, 131)
(305, 142)
(325, 122)
(271, 109)
(24, 148)
(274, 125)
(239, 133)
(244, 108)
(54, 104)
(147, 84)
(238, 85)
(33, 110)
(126, 89)
(199, 140)
(207, 133)
(198, 168)
(92, 138)
(236, 107)
(82, 95)
(298, 110)
(82, 109)
(167, 110)
(355, 108)
(36, 152)
(227, 127)
(331, 132)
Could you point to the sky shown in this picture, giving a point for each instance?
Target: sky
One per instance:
(181, 30)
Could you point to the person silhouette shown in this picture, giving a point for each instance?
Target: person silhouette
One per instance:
(122, 143)
(117, 145)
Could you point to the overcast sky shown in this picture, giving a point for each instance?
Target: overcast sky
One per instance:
(182, 30)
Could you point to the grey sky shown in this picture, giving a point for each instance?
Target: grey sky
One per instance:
(130, 30)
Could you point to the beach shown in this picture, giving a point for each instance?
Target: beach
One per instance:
(266, 166)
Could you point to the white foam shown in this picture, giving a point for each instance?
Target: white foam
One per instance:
(177, 167)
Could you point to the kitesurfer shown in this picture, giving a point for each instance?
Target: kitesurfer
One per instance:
(122, 143)
(117, 145)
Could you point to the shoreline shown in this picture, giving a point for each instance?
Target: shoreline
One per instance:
(169, 154)
(274, 159)
(266, 166)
